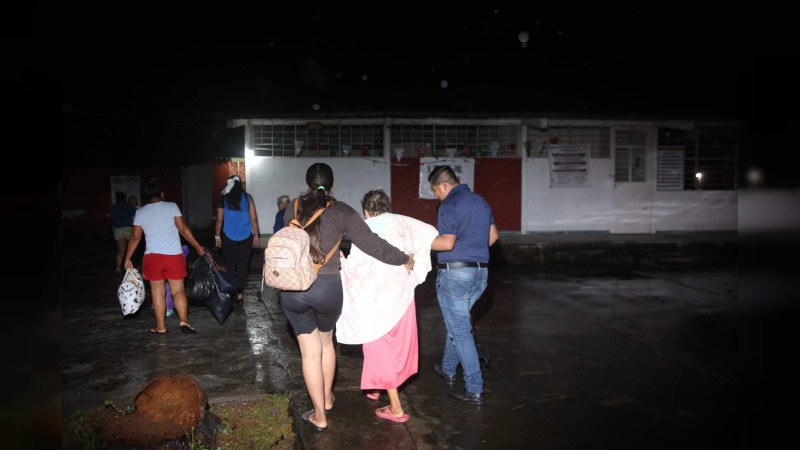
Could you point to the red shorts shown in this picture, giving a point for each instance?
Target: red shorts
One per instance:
(156, 267)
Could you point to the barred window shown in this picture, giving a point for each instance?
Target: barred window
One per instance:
(630, 156)
(463, 140)
(710, 151)
(714, 158)
(317, 140)
(597, 137)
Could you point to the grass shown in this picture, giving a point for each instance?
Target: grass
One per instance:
(255, 424)
(263, 423)
(79, 433)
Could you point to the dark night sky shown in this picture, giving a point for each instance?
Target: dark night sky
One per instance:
(127, 70)
(212, 63)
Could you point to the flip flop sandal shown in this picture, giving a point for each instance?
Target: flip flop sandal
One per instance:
(385, 413)
(333, 397)
(373, 396)
(306, 419)
(187, 329)
(154, 331)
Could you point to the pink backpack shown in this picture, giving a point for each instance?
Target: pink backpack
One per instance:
(287, 260)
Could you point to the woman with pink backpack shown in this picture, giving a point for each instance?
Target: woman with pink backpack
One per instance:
(313, 313)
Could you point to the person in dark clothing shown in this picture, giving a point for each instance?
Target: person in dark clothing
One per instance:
(283, 202)
(236, 231)
(122, 222)
(313, 313)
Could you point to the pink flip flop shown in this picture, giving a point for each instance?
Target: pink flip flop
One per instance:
(373, 396)
(385, 413)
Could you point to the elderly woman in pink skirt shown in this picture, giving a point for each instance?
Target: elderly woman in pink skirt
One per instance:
(378, 308)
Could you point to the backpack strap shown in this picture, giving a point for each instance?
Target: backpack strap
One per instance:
(319, 212)
(313, 218)
(328, 256)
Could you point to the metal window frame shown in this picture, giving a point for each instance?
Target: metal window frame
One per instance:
(432, 138)
(630, 149)
(599, 137)
(274, 138)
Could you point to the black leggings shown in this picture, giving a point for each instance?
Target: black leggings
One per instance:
(236, 255)
(318, 307)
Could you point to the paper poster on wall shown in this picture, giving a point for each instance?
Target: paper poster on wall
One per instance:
(569, 166)
(463, 167)
(670, 168)
(128, 184)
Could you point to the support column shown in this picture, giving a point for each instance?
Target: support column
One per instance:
(523, 137)
(387, 154)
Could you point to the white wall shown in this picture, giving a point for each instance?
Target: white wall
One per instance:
(591, 209)
(568, 209)
(197, 202)
(549, 210)
(695, 210)
(268, 178)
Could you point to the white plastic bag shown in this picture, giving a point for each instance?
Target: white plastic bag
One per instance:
(131, 292)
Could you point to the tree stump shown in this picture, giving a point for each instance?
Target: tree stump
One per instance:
(171, 412)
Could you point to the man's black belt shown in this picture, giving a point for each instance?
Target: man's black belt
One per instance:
(459, 265)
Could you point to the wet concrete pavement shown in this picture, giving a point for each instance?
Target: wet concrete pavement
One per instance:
(602, 356)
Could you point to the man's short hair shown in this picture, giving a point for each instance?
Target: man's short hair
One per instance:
(376, 202)
(283, 200)
(443, 174)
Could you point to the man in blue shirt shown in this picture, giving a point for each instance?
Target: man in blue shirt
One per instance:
(466, 231)
(283, 202)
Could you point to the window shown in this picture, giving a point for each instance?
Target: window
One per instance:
(715, 158)
(596, 137)
(467, 140)
(630, 156)
(317, 141)
(710, 150)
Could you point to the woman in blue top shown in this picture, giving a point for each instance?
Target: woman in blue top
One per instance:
(236, 231)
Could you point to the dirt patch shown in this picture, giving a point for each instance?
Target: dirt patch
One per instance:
(254, 424)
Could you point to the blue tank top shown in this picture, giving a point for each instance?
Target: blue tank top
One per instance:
(236, 224)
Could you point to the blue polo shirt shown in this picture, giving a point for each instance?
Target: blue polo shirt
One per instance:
(466, 215)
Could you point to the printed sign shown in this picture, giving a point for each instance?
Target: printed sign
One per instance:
(671, 168)
(569, 166)
(463, 167)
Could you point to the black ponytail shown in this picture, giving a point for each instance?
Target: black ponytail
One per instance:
(234, 197)
(319, 178)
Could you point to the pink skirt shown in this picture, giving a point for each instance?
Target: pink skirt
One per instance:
(391, 359)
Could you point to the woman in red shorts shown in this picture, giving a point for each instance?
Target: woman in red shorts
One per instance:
(162, 224)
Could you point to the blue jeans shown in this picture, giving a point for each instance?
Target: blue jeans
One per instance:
(458, 290)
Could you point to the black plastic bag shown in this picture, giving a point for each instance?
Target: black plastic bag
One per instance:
(219, 304)
(223, 279)
(200, 285)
